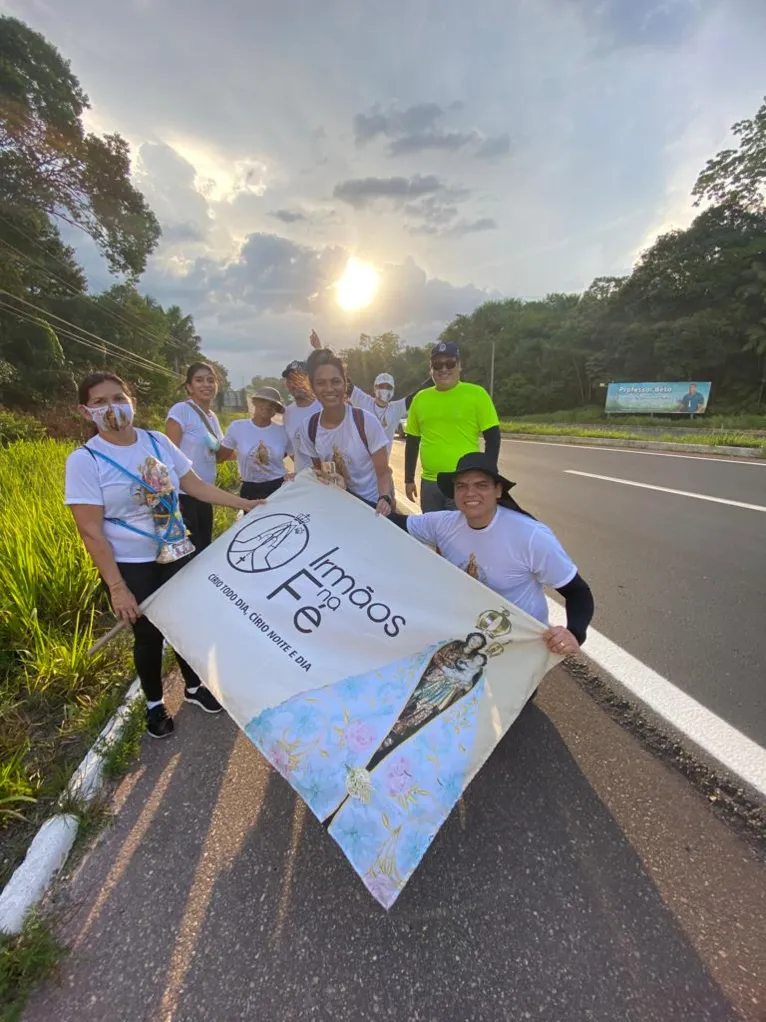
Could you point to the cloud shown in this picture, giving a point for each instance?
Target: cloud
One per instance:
(288, 216)
(458, 229)
(420, 141)
(361, 192)
(414, 130)
(392, 123)
(494, 146)
(463, 227)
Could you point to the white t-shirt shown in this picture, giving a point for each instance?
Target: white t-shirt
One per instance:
(345, 447)
(389, 416)
(514, 555)
(294, 417)
(91, 480)
(193, 438)
(260, 450)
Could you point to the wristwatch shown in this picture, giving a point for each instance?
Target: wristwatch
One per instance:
(388, 498)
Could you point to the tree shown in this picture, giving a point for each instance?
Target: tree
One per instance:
(183, 345)
(738, 176)
(50, 164)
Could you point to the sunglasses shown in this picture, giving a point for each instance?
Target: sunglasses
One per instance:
(447, 363)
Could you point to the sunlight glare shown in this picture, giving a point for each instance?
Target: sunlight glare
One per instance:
(357, 287)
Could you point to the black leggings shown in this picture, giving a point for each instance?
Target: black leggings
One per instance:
(260, 491)
(198, 519)
(143, 579)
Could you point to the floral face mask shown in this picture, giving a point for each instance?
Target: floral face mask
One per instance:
(108, 418)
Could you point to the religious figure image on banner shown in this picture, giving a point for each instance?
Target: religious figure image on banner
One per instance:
(353, 750)
(377, 701)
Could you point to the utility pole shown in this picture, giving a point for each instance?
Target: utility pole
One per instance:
(492, 374)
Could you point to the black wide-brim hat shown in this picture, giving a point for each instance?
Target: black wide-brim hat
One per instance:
(475, 462)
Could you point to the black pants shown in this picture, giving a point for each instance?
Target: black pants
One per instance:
(198, 519)
(259, 491)
(143, 579)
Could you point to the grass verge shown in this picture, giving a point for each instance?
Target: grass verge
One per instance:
(25, 960)
(721, 439)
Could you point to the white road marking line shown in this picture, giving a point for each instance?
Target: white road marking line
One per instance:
(665, 489)
(630, 450)
(737, 753)
(734, 751)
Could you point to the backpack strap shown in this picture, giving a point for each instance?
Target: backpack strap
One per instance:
(358, 415)
(312, 427)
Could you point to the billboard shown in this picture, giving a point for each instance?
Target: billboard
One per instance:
(657, 398)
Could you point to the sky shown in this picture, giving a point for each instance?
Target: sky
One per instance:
(466, 151)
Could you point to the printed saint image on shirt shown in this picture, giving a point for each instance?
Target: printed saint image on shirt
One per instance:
(156, 475)
(474, 569)
(259, 456)
(340, 464)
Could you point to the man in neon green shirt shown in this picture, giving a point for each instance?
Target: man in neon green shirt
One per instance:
(444, 423)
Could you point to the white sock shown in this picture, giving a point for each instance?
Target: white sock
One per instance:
(151, 705)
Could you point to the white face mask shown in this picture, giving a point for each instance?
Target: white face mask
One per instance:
(108, 418)
(383, 394)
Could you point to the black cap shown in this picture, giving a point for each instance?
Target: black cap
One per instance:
(294, 367)
(478, 461)
(446, 348)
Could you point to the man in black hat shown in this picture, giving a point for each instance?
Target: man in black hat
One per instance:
(444, 423)
(498, 543)
(303, 407)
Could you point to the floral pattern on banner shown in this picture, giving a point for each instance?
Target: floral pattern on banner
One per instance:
(321, 742)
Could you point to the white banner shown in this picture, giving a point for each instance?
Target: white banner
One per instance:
(375, 676)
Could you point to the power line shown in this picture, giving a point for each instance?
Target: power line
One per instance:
(25, 255)
(148, 364)
(100, 348)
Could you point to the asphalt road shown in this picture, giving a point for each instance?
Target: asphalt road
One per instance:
(680, 583)
(578, 879)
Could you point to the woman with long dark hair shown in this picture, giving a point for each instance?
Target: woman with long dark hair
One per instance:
(193, 426)
(123, 489)
(346, 441)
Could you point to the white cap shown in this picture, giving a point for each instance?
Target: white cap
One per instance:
(384, 378)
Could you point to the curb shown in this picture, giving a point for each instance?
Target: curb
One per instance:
(758, 453)
(53, 842)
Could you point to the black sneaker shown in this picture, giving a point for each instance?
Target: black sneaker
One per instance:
(158, 722)
(203, 698)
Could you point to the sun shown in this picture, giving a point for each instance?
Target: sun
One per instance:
(357, 287)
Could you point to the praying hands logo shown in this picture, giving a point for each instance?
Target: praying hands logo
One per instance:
(269, 542)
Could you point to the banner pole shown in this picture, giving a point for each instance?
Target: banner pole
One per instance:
(116, 629)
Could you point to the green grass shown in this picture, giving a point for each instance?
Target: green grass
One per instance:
(25, 960)
(119, 754)
(594, 414)
(722, 439)
(54, 699)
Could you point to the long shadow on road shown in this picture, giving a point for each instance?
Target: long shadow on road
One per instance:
(217, 895)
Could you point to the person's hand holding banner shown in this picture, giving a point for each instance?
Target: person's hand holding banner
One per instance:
(561, 642)
(385, 676)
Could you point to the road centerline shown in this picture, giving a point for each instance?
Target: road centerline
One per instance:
(666, 489)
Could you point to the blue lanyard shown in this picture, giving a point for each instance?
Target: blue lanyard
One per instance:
(175, 530)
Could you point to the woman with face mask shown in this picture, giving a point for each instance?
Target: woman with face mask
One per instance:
(123, 490)
(193, 426)
(346, 441)
(260, 446)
